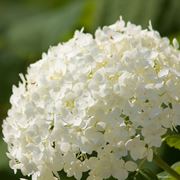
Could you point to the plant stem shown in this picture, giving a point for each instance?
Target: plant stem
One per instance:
(139, 166)
(162, 164)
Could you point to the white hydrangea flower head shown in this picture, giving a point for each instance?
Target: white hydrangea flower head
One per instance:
(95, 105)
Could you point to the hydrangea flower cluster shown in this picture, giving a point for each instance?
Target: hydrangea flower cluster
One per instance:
(95, 104)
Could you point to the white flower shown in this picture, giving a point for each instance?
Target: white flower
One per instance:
(152, 134)
(137, 148)
(89, 103)
(130, 166)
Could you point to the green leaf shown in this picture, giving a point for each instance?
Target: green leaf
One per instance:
(173, 141)
(165, 176)
(176, 166)
(148, 174)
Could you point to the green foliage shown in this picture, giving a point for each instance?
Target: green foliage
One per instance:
(165, 176)
(148, 174)
(35, 34)
(143, 174)
(4, 159)
(173, 141)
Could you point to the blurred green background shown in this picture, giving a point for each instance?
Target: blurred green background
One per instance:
(29, 27)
